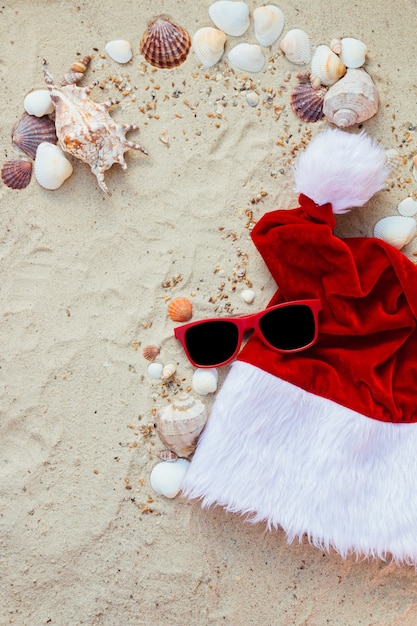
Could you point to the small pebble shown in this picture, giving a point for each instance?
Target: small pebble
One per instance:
(248, 296)
(252, 98)
(155, 370)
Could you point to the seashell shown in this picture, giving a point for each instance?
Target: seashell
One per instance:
(30, 131)
(248, 295)
(204, 381)
(247, 57)
(296, 46)
(150, 352)
(17, 173)
(168, 371)
(164, 43)
(307, 102)
(81, 65)
(252, 98)
(407, 207)
(71, 78)
(155, 370)
(352, 100)
(166, 478)
(167, 455)
(119, 50)
(230, 16)
(208, 45)
(414, 168)
(353, 52)
(394, 161)
(396, 230)
(327, 66)
(52, 167)
(336, 45)
(180, 310)
(268, 24)
(38, 102)
(180, 424)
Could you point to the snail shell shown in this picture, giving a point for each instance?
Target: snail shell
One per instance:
(165, 44)
(296, 46)
(327, 66)
(396, 230)
(230, 17)
(247, 57)
(180, 310)
(268, 23)
(208, 45)
(352, 100)
(180, 423)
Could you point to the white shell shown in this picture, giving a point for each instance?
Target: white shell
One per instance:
(208, 45)
(296, 46)
(407, 207)
(327, 66)
(230, 16)
(204, 381)
(38, 102)
(51, 168)
(394, 161)
(252, 98)
(353, 52)
(352, 100)
(119, 50)
(247, 57)
(155, 370)
(180, 423)
(268, 24)
(168, 371)
(248, 296)
(396, 230)
(166, 477)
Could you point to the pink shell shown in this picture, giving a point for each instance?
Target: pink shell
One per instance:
(30, 131)
(307, 102)
(17, 173)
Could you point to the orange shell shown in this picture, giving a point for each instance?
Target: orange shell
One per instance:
(164, 43)
(150, 352)
(180, 310)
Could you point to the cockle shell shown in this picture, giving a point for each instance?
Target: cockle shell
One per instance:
(204, 381)
(268, 24)
(353, 52)
(165, 44)
(17, 173)
(352, 100)
(150, 352)
(86, 130)
(307, 102)
(327, 66)
(296, 46)
(52, 168)
(180, 310)
(119, 50)
(180, 424)
(29, 131)
(208, 45)
(247, 56)
(407, 207)
(230, 16)
(38, 102)
(166, 478)
(396, 230)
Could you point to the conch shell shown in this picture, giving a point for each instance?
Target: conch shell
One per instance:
(352, 100)
(180, 423)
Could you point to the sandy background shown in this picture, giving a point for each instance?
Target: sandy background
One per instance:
(85, 280)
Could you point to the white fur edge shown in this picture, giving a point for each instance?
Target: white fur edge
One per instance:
(276, 453)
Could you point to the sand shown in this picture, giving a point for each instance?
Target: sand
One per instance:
(85, 282)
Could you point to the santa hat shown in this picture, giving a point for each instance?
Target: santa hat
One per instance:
(323, 442)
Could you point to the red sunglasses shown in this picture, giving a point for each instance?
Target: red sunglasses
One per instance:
(286, 327)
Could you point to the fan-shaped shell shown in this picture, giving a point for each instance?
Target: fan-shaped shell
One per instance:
(17, 173)
(407, 207)
(38, 102)
(119, 50)
(307, 102)
(165, 44)
(52, 167)
(180, 423)
(208, 45)
(268, 24)
(327, 66)
(352, 100)
(166, 478)
(247, 57)
(232, 17)
(150, 352)
(353, 52)
(204, 381)
(396, 230)
(296, 46)
(30, 131)
(180, 309)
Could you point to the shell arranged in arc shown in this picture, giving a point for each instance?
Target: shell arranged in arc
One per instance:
(30, 131)
(247, 57)
(352, 100)
(17, 173)
(327, 66)
(307, 102)
(268, 24)
(396, 230)
(165, 44)
(296, 46)
(180, 309)
(180, 424)
(230, 16)
(208, 45)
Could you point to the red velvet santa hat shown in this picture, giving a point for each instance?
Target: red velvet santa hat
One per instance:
(323, 442)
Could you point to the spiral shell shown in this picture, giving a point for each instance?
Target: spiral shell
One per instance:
(247, 57)
(52, 167)
(396, 230)
(307, 102)
(180, 423)
(30, 131)
(268, 23)
(17, 173)
(165, 44)
(150, 352)
(296, 46)
(208, 45)
(232, 17)
(81, 65)
(352, 100)
(180, 310)
(327, 66)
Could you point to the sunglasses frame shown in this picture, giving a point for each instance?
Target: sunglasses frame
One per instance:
(250, 322)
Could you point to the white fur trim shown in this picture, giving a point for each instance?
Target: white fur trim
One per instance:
(279, 454)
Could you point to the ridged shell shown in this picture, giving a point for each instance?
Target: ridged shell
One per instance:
(327, 66)
(230, 16)
(71, 78)
(165, 44)
(180, 310)
(396, 230)
(307, 102)
(166, 478)
(30, 131)
(407, 207)
(38, 102)
(296, 46)
(17, 173)
(119, 50)
(81, 65)
(150, 352)
(208, 45)
(180, 423)
(394, 161)
(268, 24)
(352, 100)
(204, 381)
(167, 455)
(353, 52)
(52, 167)
(247, 57)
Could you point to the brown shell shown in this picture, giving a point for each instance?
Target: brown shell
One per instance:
(180, 310)
(165, 44)
(30, 131)
(17, 173)
(80, 65)
(71, 78)
(150, 352)
(307, 102)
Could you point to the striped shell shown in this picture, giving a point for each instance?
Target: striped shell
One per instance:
(396, 230)
(81, 64)
(180, 310)
(208, 45)
(165, 44)
(17, 173)
(230, 17)
(30, 131)
(327, 66)
(180, 423)
(150, 352)
(307, 102)
(296, 46)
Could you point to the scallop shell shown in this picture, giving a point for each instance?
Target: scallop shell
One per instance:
(150, 352)
(17, 173)
(396, 230)
(307, 102)
(30, 131)
(407, 207)
(180, 423)
(353, 52)
(268, 24)
(119, 50)
(52, 167)
(204, 381)
(394, 161)
(164, 43)
(327, 66)
(38, 102)
(180, 310)
(296, 46)
(208, 45)
(230, 16)
(166, 478)
(352, 100)
(247, 57)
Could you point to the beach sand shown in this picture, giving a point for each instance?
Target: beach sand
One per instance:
(85, 283)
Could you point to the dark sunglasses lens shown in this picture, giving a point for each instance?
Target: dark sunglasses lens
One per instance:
(212, 343)
(290, 327)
